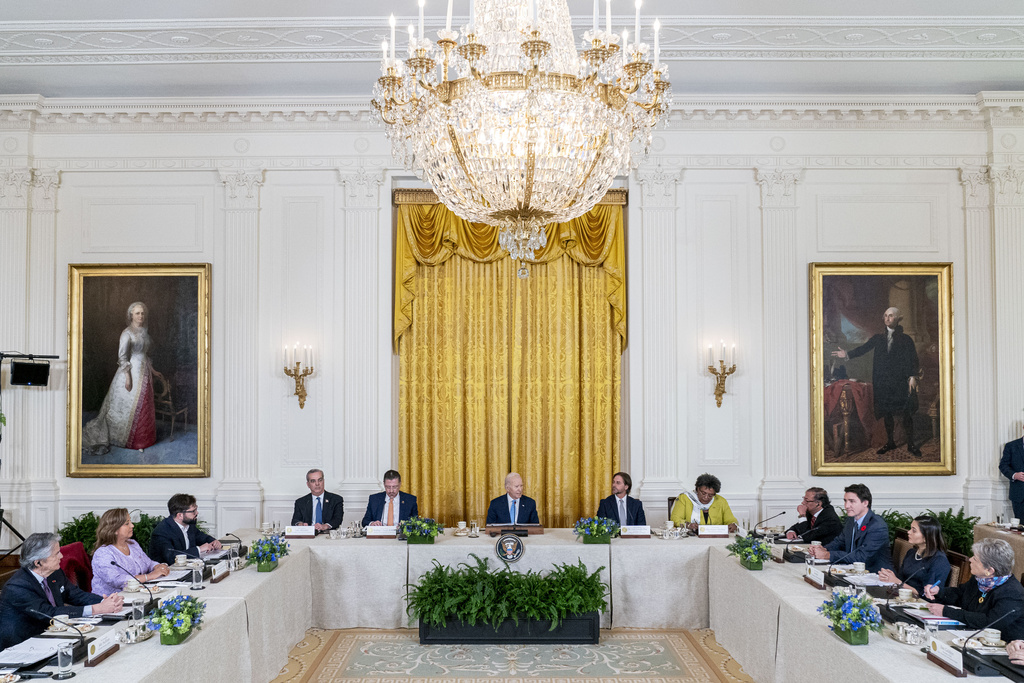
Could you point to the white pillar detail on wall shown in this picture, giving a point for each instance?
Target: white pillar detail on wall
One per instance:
(783, 306)
(978, 456)
(363, 424)
(239, 495)
(41, 405)
(657, 385)
(1008, 248)
(14, 457)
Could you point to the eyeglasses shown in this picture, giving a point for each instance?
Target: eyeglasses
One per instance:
(192, 511)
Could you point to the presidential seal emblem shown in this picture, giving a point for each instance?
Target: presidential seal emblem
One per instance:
(510, 548)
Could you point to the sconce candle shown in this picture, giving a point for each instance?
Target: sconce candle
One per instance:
(299, 367)
(722, 370)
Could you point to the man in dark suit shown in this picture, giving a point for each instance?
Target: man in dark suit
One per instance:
(865, 537)
(177, 534)
(40, 586)
(1012, 467)
(619, 502)
(513, 507)
(390, 506)
(321, 509)
(894, 371)
(820, 523)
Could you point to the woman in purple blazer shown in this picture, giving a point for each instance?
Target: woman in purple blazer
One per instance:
(117, 556)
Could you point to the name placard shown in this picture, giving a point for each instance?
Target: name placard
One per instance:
(102, 644)
(815, 576)
(635, 531)
(946, 657)
(713, 531)
(778, 553)
(381, 531)
(299, 531)
(219, 571)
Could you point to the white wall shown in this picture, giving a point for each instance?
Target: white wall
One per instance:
(734, 201)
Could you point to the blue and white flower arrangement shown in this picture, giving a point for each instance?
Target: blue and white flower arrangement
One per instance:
(849, 612)
(267, 550)
(598, 527)
(177, 615)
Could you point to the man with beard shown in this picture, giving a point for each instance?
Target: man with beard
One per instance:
(177, 534)
(893, 378)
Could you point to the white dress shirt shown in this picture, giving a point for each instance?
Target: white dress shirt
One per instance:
(508, 504)
(384, 512)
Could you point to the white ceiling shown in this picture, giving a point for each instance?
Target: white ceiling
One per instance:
(306, 48)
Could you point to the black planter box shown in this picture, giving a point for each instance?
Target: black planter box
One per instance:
(580, 629)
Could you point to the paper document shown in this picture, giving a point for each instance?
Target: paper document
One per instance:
(215, 554)
(175, 575)
(29, 652)
(866, 580)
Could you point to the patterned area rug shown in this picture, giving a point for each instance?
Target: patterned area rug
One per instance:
(623, 656)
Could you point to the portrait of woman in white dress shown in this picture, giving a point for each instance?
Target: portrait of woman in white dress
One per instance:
(127, 418)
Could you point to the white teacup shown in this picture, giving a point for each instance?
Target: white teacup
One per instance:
(906, 594)
(132, 586)
(1014, 521)
(180, 559)
(58, 625)
(461, 525)
(815, 542)
(991, 634)
(858, 566)
(669, 524)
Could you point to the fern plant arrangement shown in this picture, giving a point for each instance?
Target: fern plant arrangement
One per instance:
(753, 552)
(475, 595)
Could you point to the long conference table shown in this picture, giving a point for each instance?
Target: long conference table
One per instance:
(767, 620)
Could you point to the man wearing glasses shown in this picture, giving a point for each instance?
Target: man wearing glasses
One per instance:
(178, 534)
(821, 523)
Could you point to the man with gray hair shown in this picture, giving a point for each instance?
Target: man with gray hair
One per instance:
(894, 372)
(39, 591)
(513, 507)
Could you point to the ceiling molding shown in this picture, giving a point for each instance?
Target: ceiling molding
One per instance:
(332, 39)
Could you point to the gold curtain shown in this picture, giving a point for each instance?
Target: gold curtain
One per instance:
(500, 374)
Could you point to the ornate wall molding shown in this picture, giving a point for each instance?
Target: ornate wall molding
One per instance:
(976, 187)
(777, 187)
(14, 184)
(242, 189)
(362, 187)
(658, 186)
(44, 189)
(963, 112)
(1009, 185)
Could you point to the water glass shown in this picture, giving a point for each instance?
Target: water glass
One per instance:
(65, 656)
(138, 610)
(233, 556)
(197, 578)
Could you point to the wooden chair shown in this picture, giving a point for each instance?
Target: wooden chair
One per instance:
(76, 565)
(164, 403)
(671, 503)
(900, 546)
(960, 568)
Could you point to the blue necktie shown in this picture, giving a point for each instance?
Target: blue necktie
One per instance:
(319, 512)
(512, 513)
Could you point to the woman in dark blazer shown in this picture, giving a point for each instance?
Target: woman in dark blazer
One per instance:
(992, 592)
(927, 563)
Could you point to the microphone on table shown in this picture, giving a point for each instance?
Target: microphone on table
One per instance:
(241, 546)
(896, 590)
(828, 572)
(979, 667)
(141, 583)
(751, 532)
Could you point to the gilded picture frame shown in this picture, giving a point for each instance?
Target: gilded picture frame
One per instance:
(882, 368)
(138, 400)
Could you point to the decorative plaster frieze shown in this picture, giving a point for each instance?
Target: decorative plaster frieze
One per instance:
(362, 187)
(14, 184)
(242, 189)
(44, 189)
(976, 187)
(777, 187)
(1009, 185)
(658, 186)
(246, 40)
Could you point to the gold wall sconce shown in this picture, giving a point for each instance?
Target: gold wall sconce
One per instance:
(298, 364)
(721, 372)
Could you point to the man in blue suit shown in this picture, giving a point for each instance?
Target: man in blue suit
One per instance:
(390, 506)
(619, 506)
(513, 507)
(39, 591)
(865, 537)
(1012, 467)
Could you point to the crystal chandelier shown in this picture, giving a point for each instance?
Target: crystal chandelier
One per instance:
(512, 125)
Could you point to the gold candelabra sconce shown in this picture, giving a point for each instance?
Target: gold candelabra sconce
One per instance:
(722, 371)
(298, 364)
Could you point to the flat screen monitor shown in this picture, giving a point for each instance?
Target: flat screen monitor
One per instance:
(30, 373)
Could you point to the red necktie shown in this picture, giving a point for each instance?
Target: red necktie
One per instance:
(813, 520)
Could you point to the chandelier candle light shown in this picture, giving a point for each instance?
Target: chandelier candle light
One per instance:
(721, 372)
(513, 126)
(298, 364)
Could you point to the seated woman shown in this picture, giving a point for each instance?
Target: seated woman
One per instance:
(992, 592)
(703, 506)
(928, 563)
(114, 544)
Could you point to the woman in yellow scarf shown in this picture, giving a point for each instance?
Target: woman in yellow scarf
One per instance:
(703, 505)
